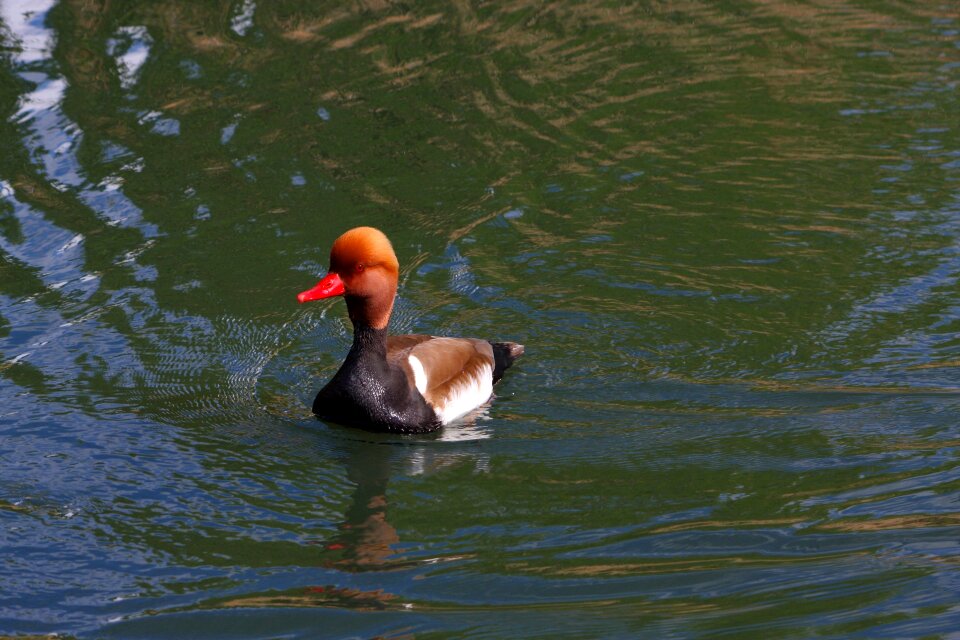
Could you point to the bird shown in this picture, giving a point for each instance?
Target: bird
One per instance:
(405, 383)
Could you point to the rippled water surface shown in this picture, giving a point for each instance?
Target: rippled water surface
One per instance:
(728, 234)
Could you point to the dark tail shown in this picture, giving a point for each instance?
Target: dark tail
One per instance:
(504, 353)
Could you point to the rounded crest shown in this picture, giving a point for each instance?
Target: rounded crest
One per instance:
(363, 247)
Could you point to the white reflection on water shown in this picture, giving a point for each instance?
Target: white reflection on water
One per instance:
(53, 138)
(130, 48)
(56, 253)
(47, 95)
(242, 22)
(24, 19)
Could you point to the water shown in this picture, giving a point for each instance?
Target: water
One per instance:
(727, 234)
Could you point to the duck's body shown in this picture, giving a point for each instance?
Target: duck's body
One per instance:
(407, 383)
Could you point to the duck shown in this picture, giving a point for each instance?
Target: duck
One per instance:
(397, 383)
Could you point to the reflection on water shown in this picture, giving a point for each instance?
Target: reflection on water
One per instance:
(727, 236)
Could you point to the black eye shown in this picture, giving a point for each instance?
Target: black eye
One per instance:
(360, 267)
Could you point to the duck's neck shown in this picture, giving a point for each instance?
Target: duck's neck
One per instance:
(374, 310)
(369, 342)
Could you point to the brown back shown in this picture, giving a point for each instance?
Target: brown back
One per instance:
(448, 362)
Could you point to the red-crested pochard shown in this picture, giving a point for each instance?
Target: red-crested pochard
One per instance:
(403, 384)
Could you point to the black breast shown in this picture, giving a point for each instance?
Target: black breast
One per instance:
(369, 392)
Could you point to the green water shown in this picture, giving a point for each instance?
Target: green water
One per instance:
(728, 234)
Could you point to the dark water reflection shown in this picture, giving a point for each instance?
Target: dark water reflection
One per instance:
(726, 233)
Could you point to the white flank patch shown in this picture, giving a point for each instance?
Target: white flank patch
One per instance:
(466, 396)
(419, 375)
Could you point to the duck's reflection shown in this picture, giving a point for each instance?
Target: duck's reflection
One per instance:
(366, 541)
(366, 537)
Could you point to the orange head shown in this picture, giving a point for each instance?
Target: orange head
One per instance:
(364, 268)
